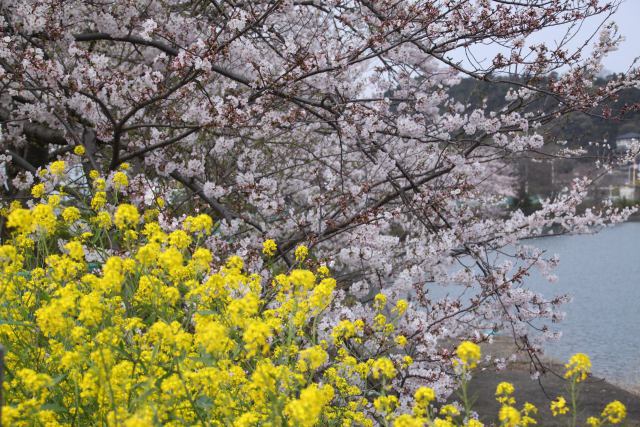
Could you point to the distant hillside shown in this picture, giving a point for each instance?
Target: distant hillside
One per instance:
(577, 128)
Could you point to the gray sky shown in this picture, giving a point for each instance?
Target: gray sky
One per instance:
(627, 17)
(628, 20)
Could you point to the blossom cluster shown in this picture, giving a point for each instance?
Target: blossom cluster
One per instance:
(279, 119)
(112, 317)
(109, 318)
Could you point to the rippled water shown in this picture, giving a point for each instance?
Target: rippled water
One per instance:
(602, 273)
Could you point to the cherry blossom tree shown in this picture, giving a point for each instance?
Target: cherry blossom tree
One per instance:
(327, 123)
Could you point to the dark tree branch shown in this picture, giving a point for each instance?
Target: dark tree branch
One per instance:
(35, 131)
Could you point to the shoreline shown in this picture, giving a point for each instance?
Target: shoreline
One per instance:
(595, 392)
(503, 347)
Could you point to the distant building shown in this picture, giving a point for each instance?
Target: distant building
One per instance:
(627, 192)
(624, 141)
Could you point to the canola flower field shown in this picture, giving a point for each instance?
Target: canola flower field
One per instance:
(159, 335)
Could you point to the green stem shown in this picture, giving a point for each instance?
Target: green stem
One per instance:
(574, 403)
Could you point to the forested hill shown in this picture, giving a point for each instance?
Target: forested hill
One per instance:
(578, 129)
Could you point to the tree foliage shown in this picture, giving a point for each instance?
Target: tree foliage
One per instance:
(329, 123)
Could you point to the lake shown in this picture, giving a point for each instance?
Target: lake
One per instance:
(601, 272)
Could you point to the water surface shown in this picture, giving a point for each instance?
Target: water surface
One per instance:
(601, 272)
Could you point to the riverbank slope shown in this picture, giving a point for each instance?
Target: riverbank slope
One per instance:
(594, 395)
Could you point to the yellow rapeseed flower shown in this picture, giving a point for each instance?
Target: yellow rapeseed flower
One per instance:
(323, 270)
(44, 218)
(99, 200)
(385, 404)
(126, 216)
(71, 214)
(509, 416)
(615, 412)
(120, 180)
(401, 340)
(307, 410)
(578, 368)
(256, 337)
(202, 223)
(594, 422)
(312, 358)
(155, 332)
(504, 390)
(21, 219)
(75, 250)
(301, 253)
(407, 361)
(383, 367)
(102, 220)
(54, 200)
(57, 168)
(38, 190)
(559, 406)
(379, 301)
(449, 411)
(406, 420)
(468, 354)
(401, 306)
(179, 239)
(424, 396)
(269, 247)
